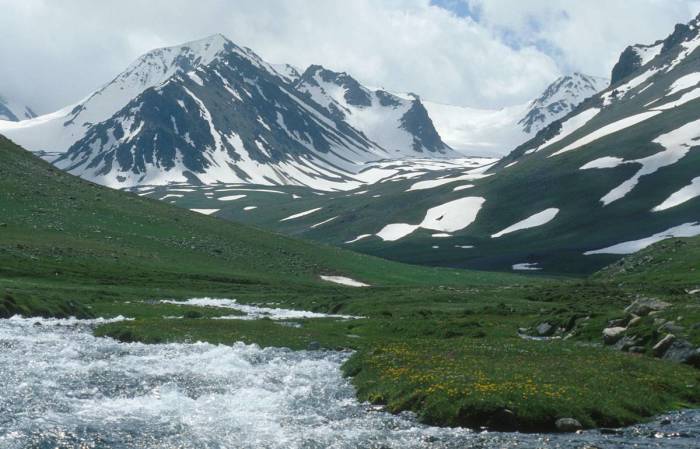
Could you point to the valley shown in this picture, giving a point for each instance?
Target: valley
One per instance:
(211, 250)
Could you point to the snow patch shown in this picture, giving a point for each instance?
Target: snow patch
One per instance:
(683, 195)
(526, 267)
(632, 246)
(205, 211)
(538, 219)
(342, 280)
(302, 214)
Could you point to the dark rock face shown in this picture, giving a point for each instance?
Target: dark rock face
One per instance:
(417, 122)
(628, 63)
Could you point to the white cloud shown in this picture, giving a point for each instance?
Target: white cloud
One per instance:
(53, 53)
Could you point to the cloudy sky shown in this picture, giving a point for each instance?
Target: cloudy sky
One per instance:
(485, 53)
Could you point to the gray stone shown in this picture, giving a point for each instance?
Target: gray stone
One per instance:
(545, 329)
(568, 425)
(670, 328)
(622, 322)
(644, 306)
(682, 352)
(612, 334)
(625, 343)
(313, 346)
(660, 348)
(635, 320)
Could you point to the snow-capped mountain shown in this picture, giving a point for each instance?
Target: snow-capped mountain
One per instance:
(57, 131)
(560, 98)
(13, 112)
(400, 125)
(616, 174)
(212, 111)
(235, 119)
(495, 132)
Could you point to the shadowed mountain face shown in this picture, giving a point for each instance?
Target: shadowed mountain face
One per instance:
(210, 111)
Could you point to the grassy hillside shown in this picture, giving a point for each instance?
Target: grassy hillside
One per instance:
(441, 342)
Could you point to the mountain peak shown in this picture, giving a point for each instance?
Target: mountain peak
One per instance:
(680, 43)
(560, 98)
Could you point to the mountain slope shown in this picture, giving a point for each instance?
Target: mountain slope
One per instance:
(14, 112)
(495, 132)
(615, 175)
(64, 229)
(399, 125)
(560, 98)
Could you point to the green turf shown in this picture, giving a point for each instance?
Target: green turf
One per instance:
(68, 247)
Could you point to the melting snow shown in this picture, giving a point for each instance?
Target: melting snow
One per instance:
(603, 162)
(358, 238)
(396, 231)
(253, 312)
(607, 130)
(231, 198)
(247, 208)
(526, 267)
(571, 125)
(205, 211)
(464, 187)
(449, 217)
(632, 246)
(302, 214)
(342, 280)
(538, 219)
(432, 183)
(323, 222)
(684, 82)
(685, 194)
(676, 145)
(454, 215)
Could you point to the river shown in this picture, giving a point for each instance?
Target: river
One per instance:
(63, 388)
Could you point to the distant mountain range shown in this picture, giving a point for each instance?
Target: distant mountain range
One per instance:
(611, 176)
(210, 111)
(13, 112)
(494, 132)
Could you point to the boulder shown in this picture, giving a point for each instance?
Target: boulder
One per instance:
(635, 320)
(568, 425)
(612, 334)
(660, 348)
(313, 346)
(682, 352)
(644, 306)
(544, 329)
(622, 322)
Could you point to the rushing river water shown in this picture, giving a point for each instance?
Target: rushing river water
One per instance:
(60, 387)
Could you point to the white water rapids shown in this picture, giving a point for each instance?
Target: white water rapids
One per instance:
(63, 388)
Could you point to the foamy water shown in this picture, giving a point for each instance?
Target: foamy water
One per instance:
(62, 387)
